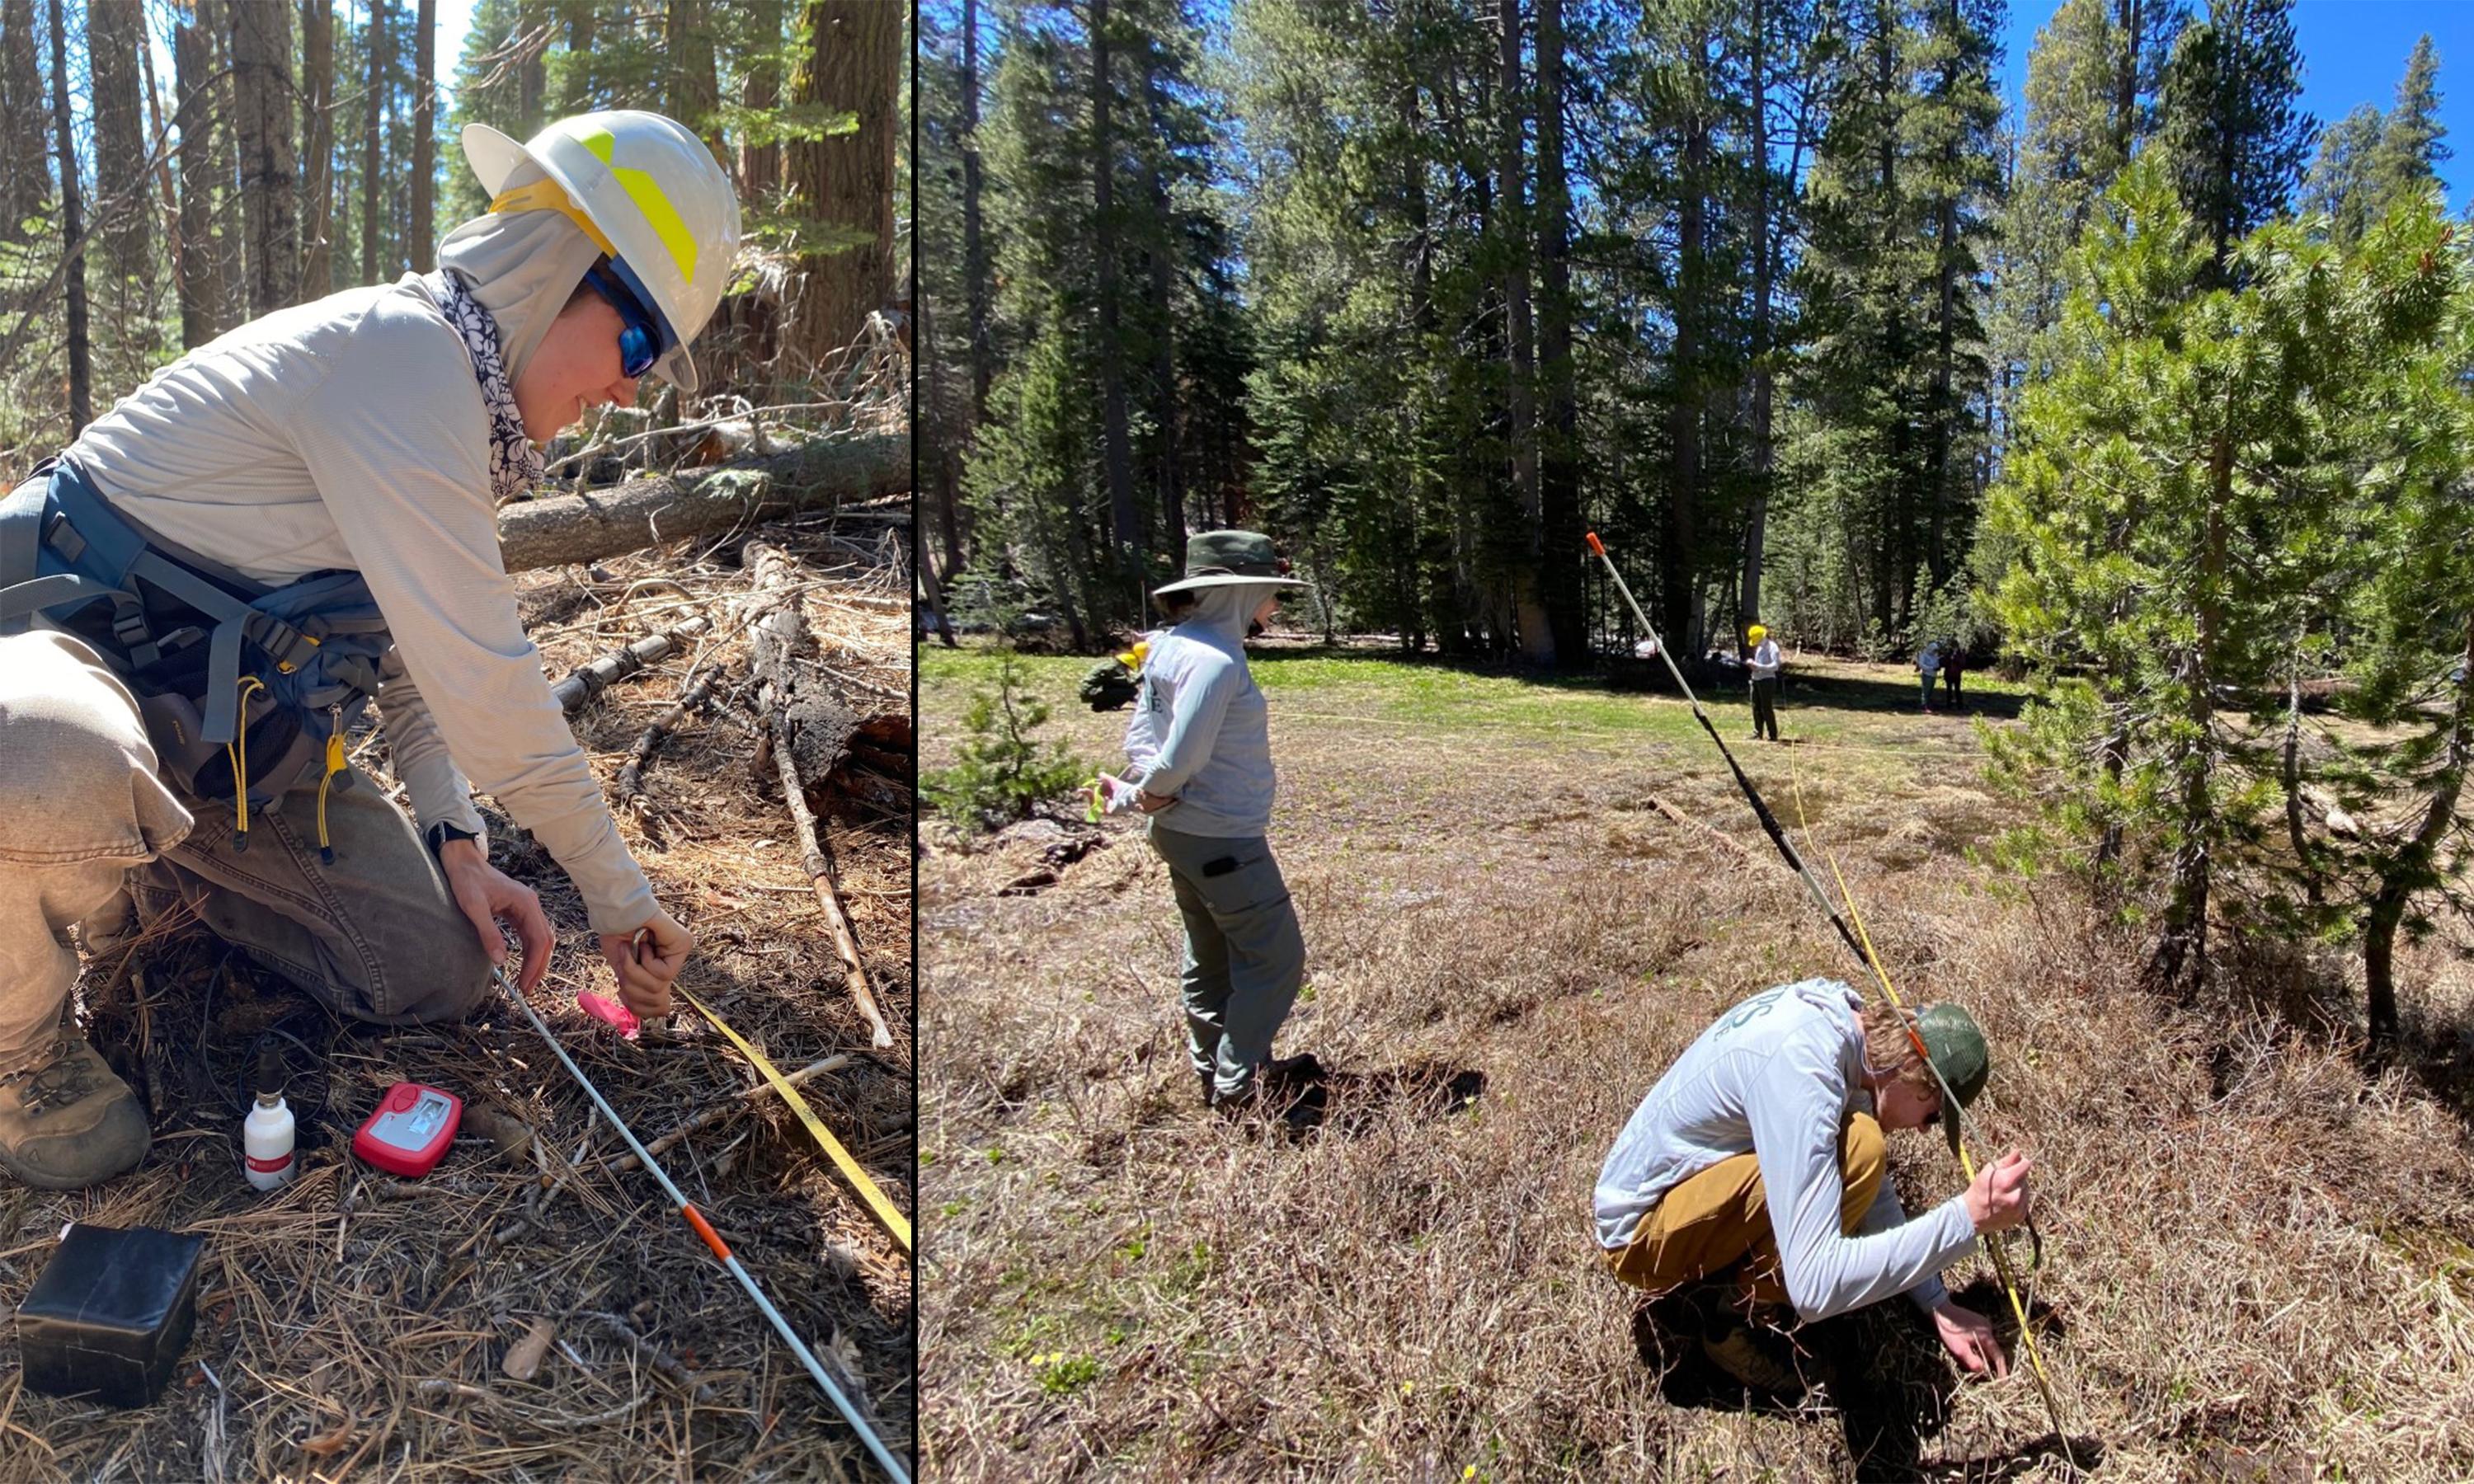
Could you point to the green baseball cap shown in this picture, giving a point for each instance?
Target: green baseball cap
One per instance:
(1217, 558)
(1956, 1046)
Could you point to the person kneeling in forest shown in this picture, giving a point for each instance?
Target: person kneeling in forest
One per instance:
(1752, 1177)
(284, 526)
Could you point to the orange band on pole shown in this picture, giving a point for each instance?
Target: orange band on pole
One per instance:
(1593, 544)
(704, 1228)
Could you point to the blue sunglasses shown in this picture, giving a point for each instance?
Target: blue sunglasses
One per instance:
(640, 343)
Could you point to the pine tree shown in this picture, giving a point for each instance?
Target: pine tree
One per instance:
(2340, 185)
(2237, 137)
(2406, 162)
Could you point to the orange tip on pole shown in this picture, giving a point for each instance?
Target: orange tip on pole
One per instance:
(1593, 544)
(704, 1228)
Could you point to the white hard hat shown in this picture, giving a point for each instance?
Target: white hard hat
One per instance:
(648, 194)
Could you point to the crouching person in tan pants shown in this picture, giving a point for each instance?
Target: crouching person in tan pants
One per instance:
(290, 524)
(1752, 1177)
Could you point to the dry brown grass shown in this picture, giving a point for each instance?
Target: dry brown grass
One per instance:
(2255, 1252)
(352, 1328)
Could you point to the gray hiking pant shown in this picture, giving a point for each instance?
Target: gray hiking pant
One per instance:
(90, 830)
(1245, 956)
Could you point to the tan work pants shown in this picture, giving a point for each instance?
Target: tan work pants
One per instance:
(1720, 1216)
(84, 813)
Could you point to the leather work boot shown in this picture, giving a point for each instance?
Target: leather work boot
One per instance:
(66, 1122)
(1741, 1352)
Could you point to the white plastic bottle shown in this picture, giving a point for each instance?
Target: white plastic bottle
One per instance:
(266, 1140)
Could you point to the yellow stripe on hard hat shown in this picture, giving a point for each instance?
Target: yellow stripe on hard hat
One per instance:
(547, 195)
(649, 199)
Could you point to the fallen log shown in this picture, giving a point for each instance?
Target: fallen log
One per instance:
(819, 475)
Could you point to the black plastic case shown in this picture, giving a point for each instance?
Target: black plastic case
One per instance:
(109, 1316)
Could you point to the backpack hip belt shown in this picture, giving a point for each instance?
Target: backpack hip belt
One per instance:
(305, 653)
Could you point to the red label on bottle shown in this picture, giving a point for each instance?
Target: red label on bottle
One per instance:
(268, 1166)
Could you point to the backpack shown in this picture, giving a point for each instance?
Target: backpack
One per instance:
(246, 690)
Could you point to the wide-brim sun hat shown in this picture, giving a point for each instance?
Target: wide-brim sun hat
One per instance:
(1218, 559)
(650, 195)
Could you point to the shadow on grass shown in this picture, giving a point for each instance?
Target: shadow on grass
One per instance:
(1882, 1372)
(1717, 686)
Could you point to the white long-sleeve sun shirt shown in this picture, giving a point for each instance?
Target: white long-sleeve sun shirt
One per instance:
(351, 433)
(1775, 1078)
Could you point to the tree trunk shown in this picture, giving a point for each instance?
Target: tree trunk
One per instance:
(532, 69)
(1747, 587)
(316, 149)
(760, 165)
(1536, 634)
(694, 85)
(1559, 473)
(1683, 524)
(72, 227)
(1163, 248)
(223, 108)
(1125, 520)
(2305, 859)
(270, 185)
(975, 256)
(823, 475)
(853, 60)
(194, 264)
(2180, 961)
(422, 248)
(25, 133)
(2412, 870)
(373, 142)
(122, 219)
(575, 95)
(168, 201)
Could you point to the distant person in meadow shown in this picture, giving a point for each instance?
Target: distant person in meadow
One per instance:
(1764, 666)
(1752, 1178)
(1928, 665)
(1953, 665)
(1201, 752)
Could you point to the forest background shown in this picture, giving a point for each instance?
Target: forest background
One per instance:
(229, 158)
(2152, 388)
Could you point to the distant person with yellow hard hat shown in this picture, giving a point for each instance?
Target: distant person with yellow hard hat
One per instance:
(1764, 666)
(202, 592)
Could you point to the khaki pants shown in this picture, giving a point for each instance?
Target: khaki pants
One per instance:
(1245, 956)
(85, 816)
(1719, 1217)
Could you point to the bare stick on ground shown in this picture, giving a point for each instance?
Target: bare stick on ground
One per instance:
(586, 680)
(779, 634)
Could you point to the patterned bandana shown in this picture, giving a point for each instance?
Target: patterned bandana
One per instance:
(515, 464)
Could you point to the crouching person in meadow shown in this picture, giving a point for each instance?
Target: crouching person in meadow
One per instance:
(1752, 1177)
(1201, 752)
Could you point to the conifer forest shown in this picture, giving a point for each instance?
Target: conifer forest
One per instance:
(2152, 390)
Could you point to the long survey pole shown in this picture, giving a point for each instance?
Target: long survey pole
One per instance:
(884, 1458)
(1863, 949)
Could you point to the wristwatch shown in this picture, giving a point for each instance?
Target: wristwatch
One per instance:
(438, 835)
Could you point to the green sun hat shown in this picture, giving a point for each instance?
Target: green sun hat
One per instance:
(1213, 559)
(1957, 1048)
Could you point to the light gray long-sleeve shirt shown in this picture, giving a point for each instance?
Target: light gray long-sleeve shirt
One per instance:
(1206, 729)
(351, 433)
(1775, 1078)
(1765, 663)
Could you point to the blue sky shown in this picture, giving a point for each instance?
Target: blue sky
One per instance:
(2353, 52)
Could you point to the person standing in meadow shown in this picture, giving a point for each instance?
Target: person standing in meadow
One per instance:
(1201, 745)
(1752, 1178)
(1764, 666)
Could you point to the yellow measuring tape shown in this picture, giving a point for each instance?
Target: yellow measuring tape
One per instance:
(893, 1219)
(1966, 1165)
